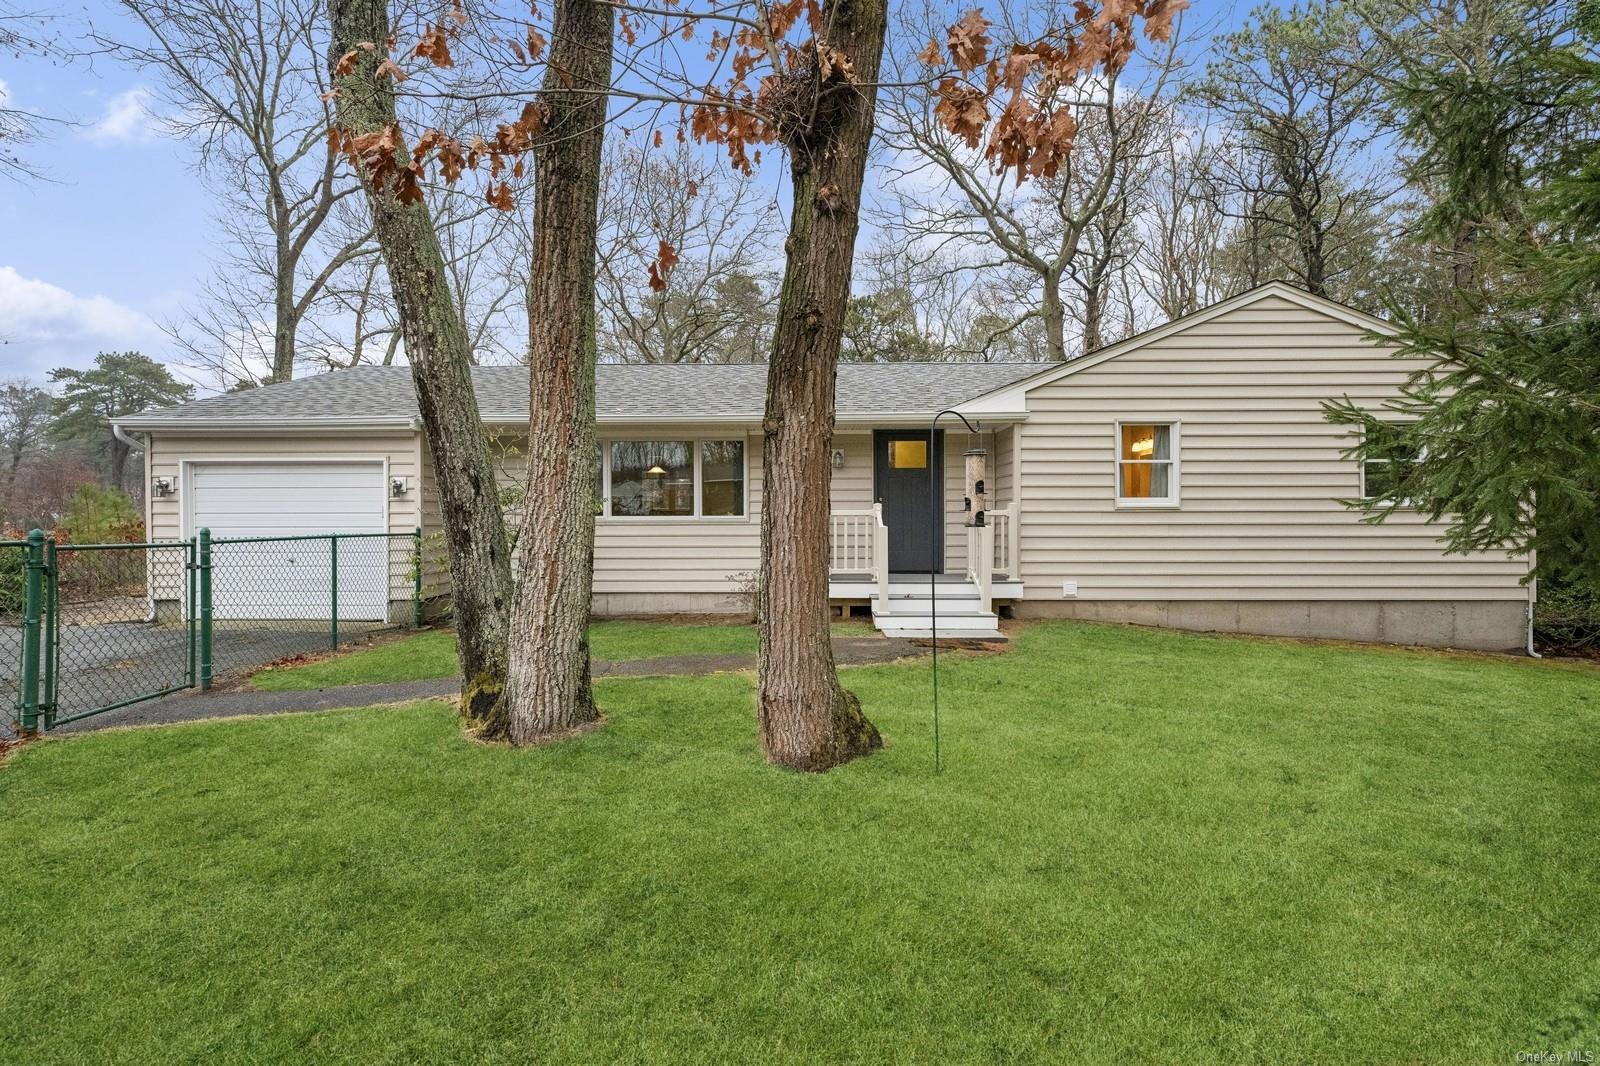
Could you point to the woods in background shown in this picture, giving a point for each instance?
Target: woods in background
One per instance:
(56, 443)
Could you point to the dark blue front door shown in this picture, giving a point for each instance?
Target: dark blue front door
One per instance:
(903, 473)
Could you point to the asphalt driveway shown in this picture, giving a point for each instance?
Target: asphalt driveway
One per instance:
(106, 663)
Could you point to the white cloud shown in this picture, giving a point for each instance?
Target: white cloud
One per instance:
(35, 310)
(43, 326)
(127, 118)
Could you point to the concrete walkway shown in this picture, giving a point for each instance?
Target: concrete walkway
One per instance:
(241, 699)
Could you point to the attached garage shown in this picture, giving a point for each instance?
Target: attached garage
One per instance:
(286, 569)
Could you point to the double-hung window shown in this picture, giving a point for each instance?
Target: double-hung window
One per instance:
(1387, 468)
(1147, 464)
(674, 478)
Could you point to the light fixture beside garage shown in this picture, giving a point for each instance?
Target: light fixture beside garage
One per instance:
(161, 486)
(399, 485)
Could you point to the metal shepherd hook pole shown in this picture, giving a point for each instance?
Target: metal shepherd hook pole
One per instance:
(935, 466)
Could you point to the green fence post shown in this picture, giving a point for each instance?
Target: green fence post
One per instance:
(203, 547)
(416, 578)
(32, 595)
(51, 633)
(333, 598)
(193, 567)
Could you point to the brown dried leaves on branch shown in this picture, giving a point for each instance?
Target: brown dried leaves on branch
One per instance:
(1032, 133)
(666, 259)
(434, 46)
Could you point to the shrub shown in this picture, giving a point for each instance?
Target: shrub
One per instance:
(103, 516)
(13, 562)
(1566, 618)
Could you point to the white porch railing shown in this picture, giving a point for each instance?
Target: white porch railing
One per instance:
(858, 546)
(980, 563)
(1006, 539)
(858, 543)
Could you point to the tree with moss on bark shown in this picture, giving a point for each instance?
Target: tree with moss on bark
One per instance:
(802, 75)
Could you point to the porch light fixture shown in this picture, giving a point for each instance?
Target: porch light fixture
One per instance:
(838, 458)
(398, 485)
(161, 486)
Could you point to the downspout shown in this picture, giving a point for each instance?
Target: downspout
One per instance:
(1533, 596)
(118, 432)
(138, 446)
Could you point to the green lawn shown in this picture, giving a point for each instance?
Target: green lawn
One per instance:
(433, 654)
(1145, 846)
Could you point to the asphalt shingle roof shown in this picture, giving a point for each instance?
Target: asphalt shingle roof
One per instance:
(625, 393)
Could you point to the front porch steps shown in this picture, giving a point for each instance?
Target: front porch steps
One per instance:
(909, 610)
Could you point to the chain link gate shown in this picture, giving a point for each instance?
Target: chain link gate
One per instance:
(90, 628)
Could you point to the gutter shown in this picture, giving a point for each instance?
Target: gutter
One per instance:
(267, 425)
(118, 432)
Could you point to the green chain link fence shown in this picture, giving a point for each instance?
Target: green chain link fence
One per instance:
(89, 628)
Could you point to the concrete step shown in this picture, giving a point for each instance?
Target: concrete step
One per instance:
(967, 624)
(951, 593)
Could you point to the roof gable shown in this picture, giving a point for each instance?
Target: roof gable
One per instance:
(1010, 399)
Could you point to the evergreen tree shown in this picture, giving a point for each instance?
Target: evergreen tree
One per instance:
(120, 383)
(1499, 437)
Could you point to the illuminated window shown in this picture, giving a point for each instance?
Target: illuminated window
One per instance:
(652, 477)
(908, 455)
(1147, 467)
(674, 479)
(722, 477)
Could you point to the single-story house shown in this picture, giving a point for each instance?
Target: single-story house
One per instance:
(1185, 477)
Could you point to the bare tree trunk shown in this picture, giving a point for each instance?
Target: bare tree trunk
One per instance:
(283, 338)
(1093, 313)
(1054, 313)
(808, 720)
(548, 691)
(437, 348)
(119, 463)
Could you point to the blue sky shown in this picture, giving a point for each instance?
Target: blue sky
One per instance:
(114, 244)
(117, 242)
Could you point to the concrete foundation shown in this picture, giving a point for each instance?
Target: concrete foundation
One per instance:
(1494, 625)
(628, 604)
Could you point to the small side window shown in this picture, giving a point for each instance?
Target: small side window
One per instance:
(1147, 464)
(1388, 470)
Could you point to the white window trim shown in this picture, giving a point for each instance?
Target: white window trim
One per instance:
(1147, 503)
(668, 519)
(1402, 504)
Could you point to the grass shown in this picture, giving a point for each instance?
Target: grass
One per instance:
(1145, 846)
(432, 654)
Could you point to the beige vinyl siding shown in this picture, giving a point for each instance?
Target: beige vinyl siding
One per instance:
(435, 562)
(1003, 490)
(663, 556)
(1260, 475)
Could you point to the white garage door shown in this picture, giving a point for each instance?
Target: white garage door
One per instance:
(294, 578)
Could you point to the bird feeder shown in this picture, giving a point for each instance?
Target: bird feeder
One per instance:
(977, 499)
